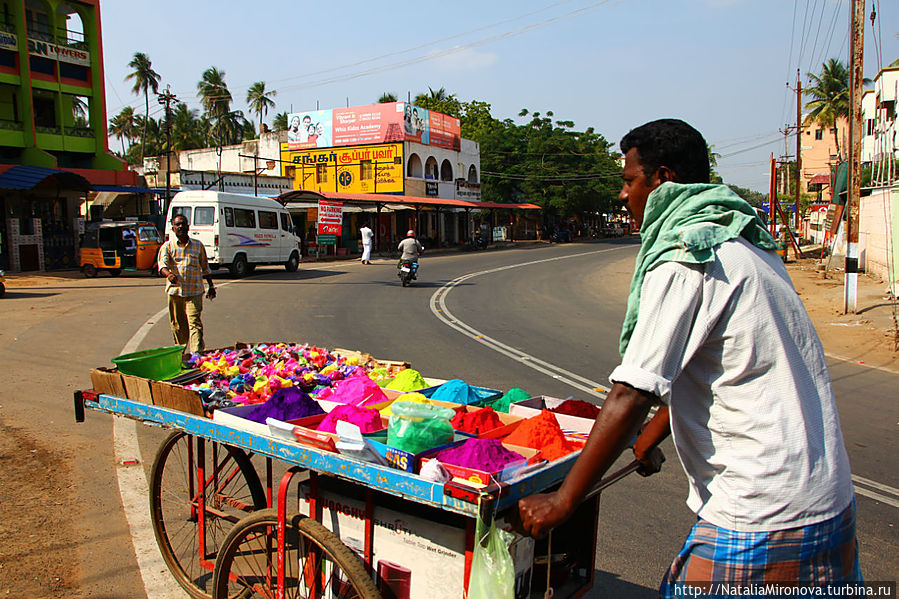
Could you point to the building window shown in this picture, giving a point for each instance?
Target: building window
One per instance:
(290, 171)
(321, 173)
(74, 71)
(365, 170)
(44, 111)
(833, 130)
(42, 65)
(819, 133)
(8, 59)
(37, 22)
(869, 126)
(446, 171)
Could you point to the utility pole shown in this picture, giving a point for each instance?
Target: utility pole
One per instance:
(798, 149)
(772, 195)
(856, 70)
(166, 99)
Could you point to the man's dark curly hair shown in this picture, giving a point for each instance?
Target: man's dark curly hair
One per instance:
(672, 143)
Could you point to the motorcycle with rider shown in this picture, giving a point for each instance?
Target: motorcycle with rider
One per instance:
(410, 249)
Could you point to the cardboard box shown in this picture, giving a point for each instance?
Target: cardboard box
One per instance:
(107, 381)
(137, 388)
(404, 460)
(479, 478)
(422, 546)
(573, 426)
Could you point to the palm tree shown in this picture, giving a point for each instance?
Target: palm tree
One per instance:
(260, 100)
(829, 93)
(279, 123)
(214, 95)
(387, 97)
(186, 133)
(122, 126)
(145, 79)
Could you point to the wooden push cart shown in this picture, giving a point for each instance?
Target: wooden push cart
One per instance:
(226, 532)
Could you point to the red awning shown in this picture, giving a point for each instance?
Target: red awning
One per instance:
(384, 198)
(820, 179)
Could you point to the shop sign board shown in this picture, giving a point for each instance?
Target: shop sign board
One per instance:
(330, 217)
(327, 240)
(59, 53)
(356, 169)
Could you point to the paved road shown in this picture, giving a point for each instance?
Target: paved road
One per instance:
(561, 305)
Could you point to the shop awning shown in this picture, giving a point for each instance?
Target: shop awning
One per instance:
(820, 179)
(301, 195)
(22, 177)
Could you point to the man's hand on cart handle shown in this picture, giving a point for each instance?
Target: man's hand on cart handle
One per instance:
(646, 449)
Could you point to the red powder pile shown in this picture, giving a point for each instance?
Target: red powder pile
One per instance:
(477, 422)
(542, 432)
(576, 407)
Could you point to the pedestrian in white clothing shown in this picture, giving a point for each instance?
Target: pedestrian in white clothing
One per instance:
(367, 236)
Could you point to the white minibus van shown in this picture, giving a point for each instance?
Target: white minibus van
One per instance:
(238, 231)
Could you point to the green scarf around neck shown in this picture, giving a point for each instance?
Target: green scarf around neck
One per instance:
(684, 223)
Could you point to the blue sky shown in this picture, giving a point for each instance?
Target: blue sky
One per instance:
(721, 65)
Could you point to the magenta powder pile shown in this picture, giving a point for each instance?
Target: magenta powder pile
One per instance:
(355, 391)
(368, 421)
(287, 403)
(487, 455)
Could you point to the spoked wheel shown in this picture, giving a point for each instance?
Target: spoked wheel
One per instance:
(316, 564)
(232, 490)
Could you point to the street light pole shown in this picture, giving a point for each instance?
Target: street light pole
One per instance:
(166, 99)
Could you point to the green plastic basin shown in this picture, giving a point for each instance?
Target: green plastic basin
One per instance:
(157, 364)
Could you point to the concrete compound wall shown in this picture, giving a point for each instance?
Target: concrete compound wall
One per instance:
(878, 237)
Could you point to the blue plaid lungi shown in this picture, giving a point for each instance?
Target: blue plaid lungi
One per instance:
(724, 563)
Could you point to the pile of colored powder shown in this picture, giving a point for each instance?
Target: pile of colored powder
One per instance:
(288, 403)
(576, 407)
(455, 391)
(477, 422)
(407, 380)
(487, 455)
(368, 421)
(513, 395)
(356, 390)
(413, 397)
(542, 432)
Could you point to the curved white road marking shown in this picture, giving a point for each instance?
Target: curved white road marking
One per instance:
(439, 309)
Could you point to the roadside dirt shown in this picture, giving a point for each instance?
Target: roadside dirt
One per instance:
(37, 484)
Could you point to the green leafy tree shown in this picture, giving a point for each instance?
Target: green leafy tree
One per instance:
(387, 97)
(279, 123)
(187, 131)
(226, 125)
(439, 101)
(259, 100)
(714, 177)
(145, 81)
(123, 126)
(829, 93)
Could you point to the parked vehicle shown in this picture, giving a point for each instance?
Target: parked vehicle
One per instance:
(478, 242)
(406, 271)
(238, 231)
(118, 246)
(2, 286)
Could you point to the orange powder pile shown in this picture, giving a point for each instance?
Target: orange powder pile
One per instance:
(542, 432)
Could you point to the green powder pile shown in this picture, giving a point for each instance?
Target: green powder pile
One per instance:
(513, 395)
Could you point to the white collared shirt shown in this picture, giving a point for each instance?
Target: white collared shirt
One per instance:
(729, 347)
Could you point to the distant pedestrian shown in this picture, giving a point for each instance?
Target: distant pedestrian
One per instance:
(367, 236)
(183, 262)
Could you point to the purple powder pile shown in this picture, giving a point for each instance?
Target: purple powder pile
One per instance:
(487, 455)
(368, 421)
(287, 403)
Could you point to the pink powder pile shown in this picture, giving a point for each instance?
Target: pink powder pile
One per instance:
(355, 391)
(487, 455)
(368, 421)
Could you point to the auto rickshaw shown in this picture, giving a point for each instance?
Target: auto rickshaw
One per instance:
(118, 246)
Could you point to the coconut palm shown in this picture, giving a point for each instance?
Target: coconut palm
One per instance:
(123, 126)
(213, 91)
(145, 80)
(186, 131)
(279, 123)
(829, 93)
(260, 100)
(387, 97)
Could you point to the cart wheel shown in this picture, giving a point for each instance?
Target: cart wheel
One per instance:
(232, 491)
(316, 561)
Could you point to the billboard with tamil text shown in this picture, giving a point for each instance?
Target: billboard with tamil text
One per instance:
(356, 169)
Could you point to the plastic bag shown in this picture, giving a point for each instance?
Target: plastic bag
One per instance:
(492, 570)
(416, 427)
